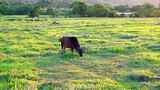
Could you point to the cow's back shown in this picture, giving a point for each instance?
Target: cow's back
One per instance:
(70, 42)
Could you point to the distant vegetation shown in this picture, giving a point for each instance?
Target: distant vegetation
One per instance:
(76, 9)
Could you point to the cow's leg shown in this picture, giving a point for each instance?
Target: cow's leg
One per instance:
(62, 52)
(72, 50)
(62, 49)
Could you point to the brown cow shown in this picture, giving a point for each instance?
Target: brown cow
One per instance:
(72, 43)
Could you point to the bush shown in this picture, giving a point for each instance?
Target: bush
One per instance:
(138, 78)
(52, 12)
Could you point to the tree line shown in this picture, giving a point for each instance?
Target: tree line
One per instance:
(77, 9)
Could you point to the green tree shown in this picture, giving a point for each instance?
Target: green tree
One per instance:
(111, 12)
(155, 13)
(50, 11)
(99, 10)
(35, 12)
(122, 8)
(15, 9)
(143, 10)
(22, 9)
(79, 8)
(3, 7)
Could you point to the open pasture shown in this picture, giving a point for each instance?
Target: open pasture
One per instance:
(121, 54)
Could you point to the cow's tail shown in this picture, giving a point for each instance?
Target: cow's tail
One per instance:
(60, 40)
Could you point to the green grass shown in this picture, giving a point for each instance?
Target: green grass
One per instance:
(121, 54)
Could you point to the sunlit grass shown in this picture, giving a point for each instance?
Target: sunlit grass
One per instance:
(121, 54)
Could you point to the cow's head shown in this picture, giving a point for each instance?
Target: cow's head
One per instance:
(80, 51)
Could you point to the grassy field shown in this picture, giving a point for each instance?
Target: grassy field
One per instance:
(121, 54)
